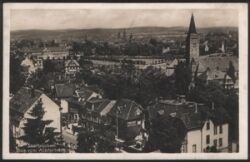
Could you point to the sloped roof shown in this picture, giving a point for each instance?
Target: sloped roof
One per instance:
(85, 94)
(21, 102)
(99, 104)
(192, 28)
(222, 63)
(127, 109)
(71, 63)
(65, 90)
(212, 75)
(186, 112)
(74, 105)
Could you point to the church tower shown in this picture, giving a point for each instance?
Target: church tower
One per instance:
(193, 42)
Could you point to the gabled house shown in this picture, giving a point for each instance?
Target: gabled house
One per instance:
(71, 67)
(85, 94)
(21, 104)
(217, 76)
(95, 113)
(130, 118)
(206, 127)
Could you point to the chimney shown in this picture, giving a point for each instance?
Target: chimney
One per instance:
(183, 98)
(212, 105)
(32, 91)
(196, 108)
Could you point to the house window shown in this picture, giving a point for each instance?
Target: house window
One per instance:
(194, 148)
(184, 148)
(208, 126)
(138, 122)
(75, 116)
(220, 142)
(215, 142)
(131, 123)
(221, 129)
(215, 129)
(207, 139)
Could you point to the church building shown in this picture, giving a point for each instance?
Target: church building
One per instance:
(193, 42)
(201, 64)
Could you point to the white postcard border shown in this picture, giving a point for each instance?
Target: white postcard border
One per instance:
(243, 84)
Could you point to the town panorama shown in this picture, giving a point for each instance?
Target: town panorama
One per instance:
(136, 90)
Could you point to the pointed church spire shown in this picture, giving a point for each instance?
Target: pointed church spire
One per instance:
(192, 28)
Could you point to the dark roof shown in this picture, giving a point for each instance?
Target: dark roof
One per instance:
(187, 113)
(64, 90)
(99, 104)
(192, 28)
(128, 109)
(222, 63)
(71, 63)
(94, 88)
(74, 105)
(22, 101)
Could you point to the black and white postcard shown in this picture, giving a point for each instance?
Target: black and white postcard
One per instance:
(125, 81)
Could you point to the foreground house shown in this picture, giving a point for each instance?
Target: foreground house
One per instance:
(20, 105)
(206, 127)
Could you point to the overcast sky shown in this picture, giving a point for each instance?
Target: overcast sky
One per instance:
(112, 18)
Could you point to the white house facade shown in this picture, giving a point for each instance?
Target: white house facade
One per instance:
(209, 135)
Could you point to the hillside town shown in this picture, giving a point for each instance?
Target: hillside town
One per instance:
(129, 93)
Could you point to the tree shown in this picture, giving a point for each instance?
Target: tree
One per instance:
(37, 79)
(213, 92)
(231, 71)
(105, 141)
(183, 77)
(85, 142)
(12, 142)
(167, 134)
(17, 79)
(36, 129)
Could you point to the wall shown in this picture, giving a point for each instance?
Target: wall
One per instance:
(213, 136)
(64, 106)
(51, 113)
(194, 46)
(194, 138)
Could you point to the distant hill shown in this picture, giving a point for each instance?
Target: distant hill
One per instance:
(104, 34)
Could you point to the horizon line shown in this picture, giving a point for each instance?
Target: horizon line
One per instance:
(122, 28)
